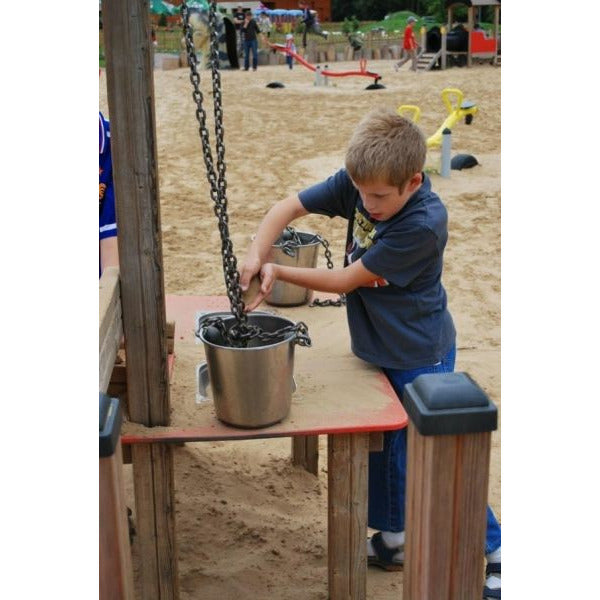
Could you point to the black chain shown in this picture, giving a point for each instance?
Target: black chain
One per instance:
(238, 337)
(289, 242)
(241, 332)
(341, 301)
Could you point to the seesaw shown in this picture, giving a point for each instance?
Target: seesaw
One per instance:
(362, 72)
(457, 111)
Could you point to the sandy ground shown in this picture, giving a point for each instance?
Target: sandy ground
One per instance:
(249, 524)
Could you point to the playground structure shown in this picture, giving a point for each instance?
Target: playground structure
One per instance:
(452, 481)
(457, 108)
(460, 45)
(362, 71)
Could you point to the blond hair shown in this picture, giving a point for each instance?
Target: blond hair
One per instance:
(387, 148)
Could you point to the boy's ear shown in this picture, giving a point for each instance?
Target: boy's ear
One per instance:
(415, 181)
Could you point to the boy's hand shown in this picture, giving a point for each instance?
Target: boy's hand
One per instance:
(250, 268)
(268, 276)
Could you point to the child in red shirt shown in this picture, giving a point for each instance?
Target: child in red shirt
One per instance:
(409, 45)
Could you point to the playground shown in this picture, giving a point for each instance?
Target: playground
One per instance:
(248, 523)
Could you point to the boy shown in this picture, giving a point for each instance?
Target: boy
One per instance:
(109, 250)
(409, 44)
(289, 44)
(310, 22)
(396, 304)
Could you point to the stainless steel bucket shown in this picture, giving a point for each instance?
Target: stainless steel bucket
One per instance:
(252, 387)
(305, 255)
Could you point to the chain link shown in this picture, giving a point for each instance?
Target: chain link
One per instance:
(241, 332)
(290, 241)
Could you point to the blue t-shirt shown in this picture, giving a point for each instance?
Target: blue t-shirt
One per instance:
(401, 321)
(108, 220)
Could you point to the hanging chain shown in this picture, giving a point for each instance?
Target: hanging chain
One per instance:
(289, 242)
(242, 331)
(341, 301)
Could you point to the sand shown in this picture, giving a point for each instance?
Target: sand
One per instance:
(249, 524)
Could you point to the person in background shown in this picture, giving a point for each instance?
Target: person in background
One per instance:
(250, 33)
(409, 45)
(238, 21)
(289, 44)
(265, 26)
(309, 18)
(109, 250)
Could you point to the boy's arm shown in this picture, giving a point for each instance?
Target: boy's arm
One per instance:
(274, 222)
(340, 281)
(109, 252)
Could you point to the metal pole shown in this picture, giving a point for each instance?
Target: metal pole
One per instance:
(446, 153)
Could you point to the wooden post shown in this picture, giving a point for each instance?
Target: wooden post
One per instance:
(116, 574)
(305, 452)
(443, 31)
(447, 481)
(471, 18)
(130, 85)
(496, 31)
(347, 457)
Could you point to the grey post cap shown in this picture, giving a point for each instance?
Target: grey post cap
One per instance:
(110, 424)
(449, 403)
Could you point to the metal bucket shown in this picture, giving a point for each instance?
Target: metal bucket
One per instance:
(251, 387)
(305, 255)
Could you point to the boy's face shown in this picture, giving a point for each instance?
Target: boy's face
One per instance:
(382, 201)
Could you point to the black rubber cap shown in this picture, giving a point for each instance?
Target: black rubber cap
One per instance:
(110, 424)
(463, 161)
(449, 403)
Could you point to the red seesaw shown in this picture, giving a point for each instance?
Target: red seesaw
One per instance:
(362, 72)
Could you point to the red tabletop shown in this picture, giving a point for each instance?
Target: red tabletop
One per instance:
(336, 391)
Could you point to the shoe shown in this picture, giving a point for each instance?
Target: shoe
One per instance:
(384, 556)
(493, 593)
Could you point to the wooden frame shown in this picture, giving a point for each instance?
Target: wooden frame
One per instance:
(130, 87)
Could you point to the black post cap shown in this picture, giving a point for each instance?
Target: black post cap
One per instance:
(449, 403)
(110, 424)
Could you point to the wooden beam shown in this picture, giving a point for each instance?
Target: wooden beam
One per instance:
(116, 575)
(130, 88)
(111, 326)
(471, 22)
(153, 476)
(348, 464)
(305, 452)
(445, 515)
(497, 29)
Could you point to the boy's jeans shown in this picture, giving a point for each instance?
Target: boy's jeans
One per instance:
(387, 469)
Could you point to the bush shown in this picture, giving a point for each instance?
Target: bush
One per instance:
(350, 24)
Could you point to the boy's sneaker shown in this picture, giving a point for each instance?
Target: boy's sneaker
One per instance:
(491, 590)
(379, 554)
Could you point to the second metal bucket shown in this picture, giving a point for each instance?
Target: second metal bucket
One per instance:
(252, 387)
(305, 255)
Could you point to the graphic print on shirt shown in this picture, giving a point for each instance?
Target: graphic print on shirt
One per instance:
(363, 234)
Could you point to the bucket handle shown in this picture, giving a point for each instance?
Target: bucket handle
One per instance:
(203, 379)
